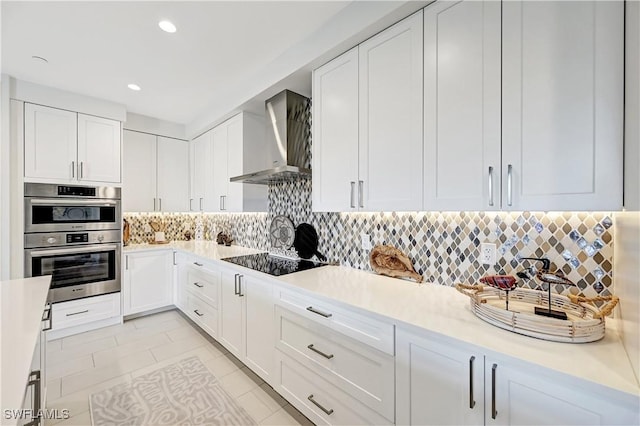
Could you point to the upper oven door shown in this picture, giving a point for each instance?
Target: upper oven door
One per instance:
(70, 214)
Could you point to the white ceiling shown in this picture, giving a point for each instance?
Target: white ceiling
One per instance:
(97, 48)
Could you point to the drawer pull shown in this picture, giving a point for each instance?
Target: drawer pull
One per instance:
(327, 412)
(315, 311)
(319, 352)
(494, 412)
(78, 313)
(197, 264)
(235, 284)
(198, 313)
(198, 285)
(472, 403)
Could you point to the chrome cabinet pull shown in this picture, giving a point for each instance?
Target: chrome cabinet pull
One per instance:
(174, 259)
(78, 313)
(35, 379)
(126, 263)
(494, 412)
(221, 208)
(327, 412)
(159, 204)
(198, 313)
(240, 277)
(315, 311)
(73, 169)
(197, 264)
(319, 352)
(472, 403)
(198, 285)
(509, 185)
(352, 197)
(190, 203)
(491, 186)
(81, 169)
(235, 284)
(154, 205)
(361, 192)
(200, 204)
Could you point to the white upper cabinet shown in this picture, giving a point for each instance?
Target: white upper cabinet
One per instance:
(220, 167)
(201, 173)
(139, 172)
(99, 149)
(230, 149)
(562, 103)
(50, 143)
(64, 146)
(172, 175)
(390, 118)
(335, 134)
(156, 173)
(367, 124)
(462, 106)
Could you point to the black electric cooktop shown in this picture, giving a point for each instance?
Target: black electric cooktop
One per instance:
(273, 265)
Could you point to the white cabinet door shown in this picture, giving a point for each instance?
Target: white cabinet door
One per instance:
(437, 383)
(220, 181)
(202, 173)
(50, 136)
(390, 149)
(99, 149)
(234, 199)
(519, 395)
(259, 322)
(462, 68)
(562, 103)
(139, 172)
(335, 134)
(173, 175)
(148, 282)
(230, 324)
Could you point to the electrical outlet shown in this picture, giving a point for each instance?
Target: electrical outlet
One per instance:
(366, 241)
(147, 228)
(488, 253)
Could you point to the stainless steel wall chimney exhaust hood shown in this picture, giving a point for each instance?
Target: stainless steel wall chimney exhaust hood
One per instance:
(288, 135)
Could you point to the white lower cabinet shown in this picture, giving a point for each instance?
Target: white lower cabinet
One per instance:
(440, 381)
(231, 313)
(148, 281)
(83, 311)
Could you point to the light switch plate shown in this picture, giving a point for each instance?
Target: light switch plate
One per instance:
(366, 241)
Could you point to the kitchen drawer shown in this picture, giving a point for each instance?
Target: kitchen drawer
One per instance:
(367, 330)
(302, 387)
(365, 373)
(83, 311)
(203, 284)
(202, 314)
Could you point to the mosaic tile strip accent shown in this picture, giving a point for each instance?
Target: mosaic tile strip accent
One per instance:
(444, 247)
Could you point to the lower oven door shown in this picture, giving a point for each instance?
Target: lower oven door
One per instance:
(77, 272)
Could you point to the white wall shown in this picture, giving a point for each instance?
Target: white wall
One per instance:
(154, 126)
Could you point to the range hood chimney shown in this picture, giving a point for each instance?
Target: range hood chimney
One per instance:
(287, 138)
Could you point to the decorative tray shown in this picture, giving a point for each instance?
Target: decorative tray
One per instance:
(584, 323)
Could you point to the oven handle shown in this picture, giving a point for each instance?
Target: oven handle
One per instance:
(68, 202)
(53, 252)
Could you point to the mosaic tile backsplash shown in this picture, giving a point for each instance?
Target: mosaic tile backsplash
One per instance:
(444, 247)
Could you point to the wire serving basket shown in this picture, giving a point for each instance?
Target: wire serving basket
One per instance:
(585, 321)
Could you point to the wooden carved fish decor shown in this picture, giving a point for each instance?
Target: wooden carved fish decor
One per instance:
(390, 261)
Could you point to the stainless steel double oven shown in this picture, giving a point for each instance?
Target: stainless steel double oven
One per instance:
(74, 234)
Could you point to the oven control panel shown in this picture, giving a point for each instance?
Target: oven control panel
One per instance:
(61, 239)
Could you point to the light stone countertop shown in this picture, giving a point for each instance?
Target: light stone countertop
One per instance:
(22, 304)
(443, 310)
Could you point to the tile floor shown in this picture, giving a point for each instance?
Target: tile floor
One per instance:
(80, 365)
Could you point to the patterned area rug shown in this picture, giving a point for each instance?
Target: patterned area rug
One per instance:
(184, 393)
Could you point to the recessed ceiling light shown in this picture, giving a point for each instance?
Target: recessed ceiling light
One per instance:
(167, 26)
(133, 87)
(40, 59)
